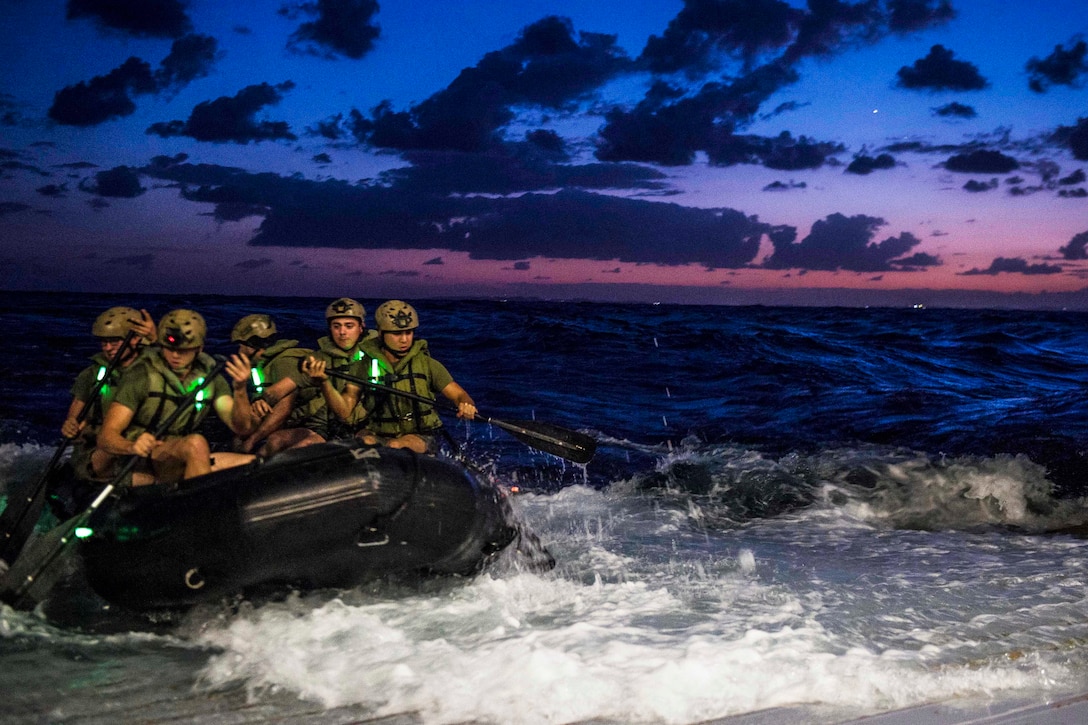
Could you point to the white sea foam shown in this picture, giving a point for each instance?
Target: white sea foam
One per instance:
(695, 627)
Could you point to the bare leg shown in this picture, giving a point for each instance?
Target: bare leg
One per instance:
(410, 441)
(222, 461)
(286, 438)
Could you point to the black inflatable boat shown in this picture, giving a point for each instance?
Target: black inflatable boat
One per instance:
(331, 515)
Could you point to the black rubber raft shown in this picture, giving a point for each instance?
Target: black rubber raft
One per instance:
(333, 515)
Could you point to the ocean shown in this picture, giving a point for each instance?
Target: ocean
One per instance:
(824, 513)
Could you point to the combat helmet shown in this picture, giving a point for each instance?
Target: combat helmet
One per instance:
(345, 307)
(182, 329)
(254, 330)
(396, 316)
(114, 322)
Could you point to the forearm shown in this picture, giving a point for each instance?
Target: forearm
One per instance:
(339, 403)
(114, 443)
(242, 419)
(274, 420)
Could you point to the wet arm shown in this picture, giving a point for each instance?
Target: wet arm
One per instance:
(339, 403)
(273, 421)
(466, 407)
(72, 425)
(235, 409)
(111, 437)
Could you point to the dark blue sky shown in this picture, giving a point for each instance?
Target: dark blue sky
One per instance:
(678, 150)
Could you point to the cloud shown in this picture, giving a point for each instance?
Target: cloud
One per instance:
(908, 16)
(545, 66)
(1077, 248)
(669, 126)
(867, 164)
(1075, 137)
(838, 242)
(917, 261)
(977, 186)
(190, 58)
(512, 169)
(341, 27)
(12, 165)
(982, 162)
(53, 190)
(121, 182)
(704, 30)
(434, 260)
(11, 111)
(141, 18)
(1014, 265)
(707, 32)
(103, 97)
(668, 130)
(783, 186)
(1063, 67)
(12, 207)
(110, 96)
(955, 110)
(1077, 177)
(938, 71)
(570, 224)
(232, 118)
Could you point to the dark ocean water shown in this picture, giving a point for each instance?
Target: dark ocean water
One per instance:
(842, 509)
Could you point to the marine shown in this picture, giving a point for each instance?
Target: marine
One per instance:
(396, 359)
(306, 416)
(272, 360)
(95, 386)
(151, 392)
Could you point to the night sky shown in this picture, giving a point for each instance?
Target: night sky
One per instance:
(654, 150)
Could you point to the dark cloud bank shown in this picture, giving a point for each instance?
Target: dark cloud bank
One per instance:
(541, 203)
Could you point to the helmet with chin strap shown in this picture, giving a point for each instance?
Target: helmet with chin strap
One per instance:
(115, 322)
(254, 330)
(345, 307)
(396, 316)
(181, 329)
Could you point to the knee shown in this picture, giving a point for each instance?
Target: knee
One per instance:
(194, 447)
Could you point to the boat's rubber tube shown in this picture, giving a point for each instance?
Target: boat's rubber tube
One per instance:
(330, 515)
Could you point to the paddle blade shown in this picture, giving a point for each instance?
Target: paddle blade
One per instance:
(23, 511)
(563, 442)
(41, 564)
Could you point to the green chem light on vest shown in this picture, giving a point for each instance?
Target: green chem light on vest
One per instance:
(199, 400)
(258, 380)
(83, 532)
(101, 372)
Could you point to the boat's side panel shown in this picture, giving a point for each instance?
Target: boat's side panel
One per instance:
(327, 516)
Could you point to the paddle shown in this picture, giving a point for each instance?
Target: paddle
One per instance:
(562, 442)
(22, 514)
(33, 564)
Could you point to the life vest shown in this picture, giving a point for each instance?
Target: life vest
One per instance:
(97, 405)
(165, 394)
(259, 374)
(310, 405)
(391, 414)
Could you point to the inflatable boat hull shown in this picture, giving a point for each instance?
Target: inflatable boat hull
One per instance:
(331, 515)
